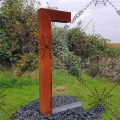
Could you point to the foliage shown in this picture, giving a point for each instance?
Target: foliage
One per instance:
(72, 49)
(18, 32)
(93, 52)
(62, 57)
(86, 46)
(28, 62)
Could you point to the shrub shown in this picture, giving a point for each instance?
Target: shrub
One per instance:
(97, 58)
(28, 62)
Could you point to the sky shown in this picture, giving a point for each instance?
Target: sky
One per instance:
(103, 20)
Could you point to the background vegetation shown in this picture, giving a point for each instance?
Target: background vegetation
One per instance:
(115, 45)
(76, 56)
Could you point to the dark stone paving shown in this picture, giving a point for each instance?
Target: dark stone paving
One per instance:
(31, 111)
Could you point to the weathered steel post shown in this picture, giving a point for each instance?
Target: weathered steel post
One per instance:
(45, 16)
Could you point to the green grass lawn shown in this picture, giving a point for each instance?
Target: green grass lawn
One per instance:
(22, 94)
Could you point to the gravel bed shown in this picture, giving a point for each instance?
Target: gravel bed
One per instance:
(31, 111)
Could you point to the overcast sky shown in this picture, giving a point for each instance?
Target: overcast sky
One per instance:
(104, 19)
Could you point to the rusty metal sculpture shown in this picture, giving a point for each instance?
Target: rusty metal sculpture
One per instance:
(45, 16)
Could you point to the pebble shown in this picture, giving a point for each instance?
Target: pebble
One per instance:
(31, 111)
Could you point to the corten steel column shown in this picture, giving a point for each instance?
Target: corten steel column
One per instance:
(45, 16)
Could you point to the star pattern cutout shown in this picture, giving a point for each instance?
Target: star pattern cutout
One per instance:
(45, 47)
(103, 98)
(100, 2)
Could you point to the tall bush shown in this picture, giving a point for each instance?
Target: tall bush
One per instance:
(18, 34)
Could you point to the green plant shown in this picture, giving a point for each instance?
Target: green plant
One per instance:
(28, 62)
(18, 30)
(94, 51)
